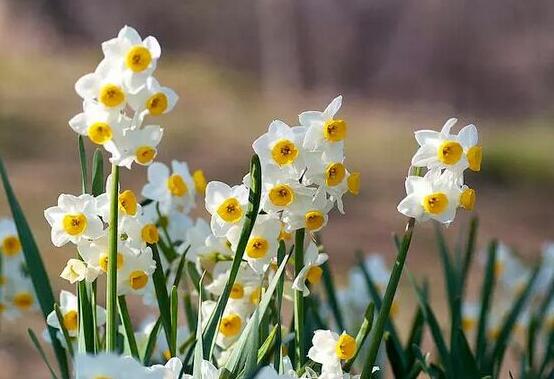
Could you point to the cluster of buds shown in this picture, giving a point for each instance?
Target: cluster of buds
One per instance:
(441, 191)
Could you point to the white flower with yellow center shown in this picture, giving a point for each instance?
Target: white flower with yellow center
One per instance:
(173, 225)
(19, 296)
(330, 349)
(324, 132)
(308, 212)
(171, 370)
(227, 205)
(95, 253)
(108, 366)
(445, 150)
(281, 146)
(74, 219)
(204, 246)
(10, 244)
(173, 189)
(262, 244)
(153, 99)
(99, 124)
(232, 322)
(434, 196)
(69, 308)
(280, 190)
(246, 278)
(76, 270)
(134, 57)
(129, 205)
(135, 273)
(470, 316)
(135, 145)
(105, 85)
(311, 272)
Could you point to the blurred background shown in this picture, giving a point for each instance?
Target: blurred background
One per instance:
(401, 65)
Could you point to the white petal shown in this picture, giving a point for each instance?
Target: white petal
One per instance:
(333, 107)
(152, 44)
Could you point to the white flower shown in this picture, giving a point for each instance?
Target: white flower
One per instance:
(19, 296)
(232, 322)
(135, 273)
(434, 196)
(308, 212)
(172, 190)
(105, 85)
(280, 189)
(134, 57)
(207, 371)
(325, 133)
(153, 99)
(10, 244)
(445, 150)
(281, 146)
(311, 271)
(329, 349)
(227, 205)
(262, 244)
(95, 253)
(135, 145)
(107, 365)
(98, 123)
(69, 308)
(73, 219)
(246, 277)
(171, 370)
(470, 316)
(76, 270)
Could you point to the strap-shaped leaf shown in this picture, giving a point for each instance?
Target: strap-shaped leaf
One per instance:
(174, 307)
(199, 347)
(37, 272)
(63, 329)
(362, 335)
(151, 343)
(40, 350)
(162, 297)
(97, 173)
(127, 326)
(486, 300)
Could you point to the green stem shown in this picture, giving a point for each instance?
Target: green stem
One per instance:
(299, 301)
(111, 286)
(387, 301)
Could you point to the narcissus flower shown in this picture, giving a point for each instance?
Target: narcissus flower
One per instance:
(104, 85)
(309, 212)
(445, 150)
(325, 133)
(227, 205)
(136, 145)
(173, 189)
(10, 245)
(280, 190)
(434, 196)
(207, 371)
(107, 365)
(73, 219)
(135, 273)
(330, 349)
(95, 253)
(232, 322)
(76, 270)
(69, 308)
(153, 99)
(311, 272)
(262, 244)
(246, 278)
(134, 57)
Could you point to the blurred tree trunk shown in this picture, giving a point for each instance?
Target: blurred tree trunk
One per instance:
(279, 55)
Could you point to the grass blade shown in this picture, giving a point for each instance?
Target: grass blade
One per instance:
(97, 173)
(162, 297)
(128, 327)
(111, 281)
(174, 302)
(83, 161)
(199, 347)
(299, 303)
(362, 335)
(486, 300)
(151, 343)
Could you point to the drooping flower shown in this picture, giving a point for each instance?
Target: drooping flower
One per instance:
(76, 270)
(311, 272)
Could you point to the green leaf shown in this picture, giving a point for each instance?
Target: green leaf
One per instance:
(35, 265)
(36, 342)
(362, 335)
(486, 300)
(470, 250)
(278, 356)
(162, 297)
(199, 347)
(87, 326)
(151, 343)
(174, 315)
(97, 173)
(128, 327)
(63, 329)
(83, 161)
(210, 332)
(299, 303)
(467, 366)
(269, 345)
(179, 272)
(111, 281)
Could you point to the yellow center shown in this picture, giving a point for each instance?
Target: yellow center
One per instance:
(177, 186)
(334, 174)
(284, 235)
(257, 247)
(468, 324)
(450, 152)
(23, 301)
(346, 347)
(199, 181)
(314, 220)
(74, 224)
(145, 154)
(467, 199)
(435, 203)
(353, 183)
(103, 261)
(498, 268)
(149, 234)
(71, 320)
(237, 292)
(157, 104)
(102, 377)
(99, 133)
(230, 210)
(281, 195)
(474, 157)
(284, 152)
(138, 58)
(256, 295)
(230, 325)
(138, 280)
(334, 130)
(11, 246)
(314, 274)
(128, 202)
(111, 95)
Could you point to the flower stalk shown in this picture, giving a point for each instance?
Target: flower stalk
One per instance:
(111, 285)
(299, 302)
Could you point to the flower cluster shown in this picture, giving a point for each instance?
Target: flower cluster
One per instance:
(17, 296)
(119, 94)
(441, 191)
